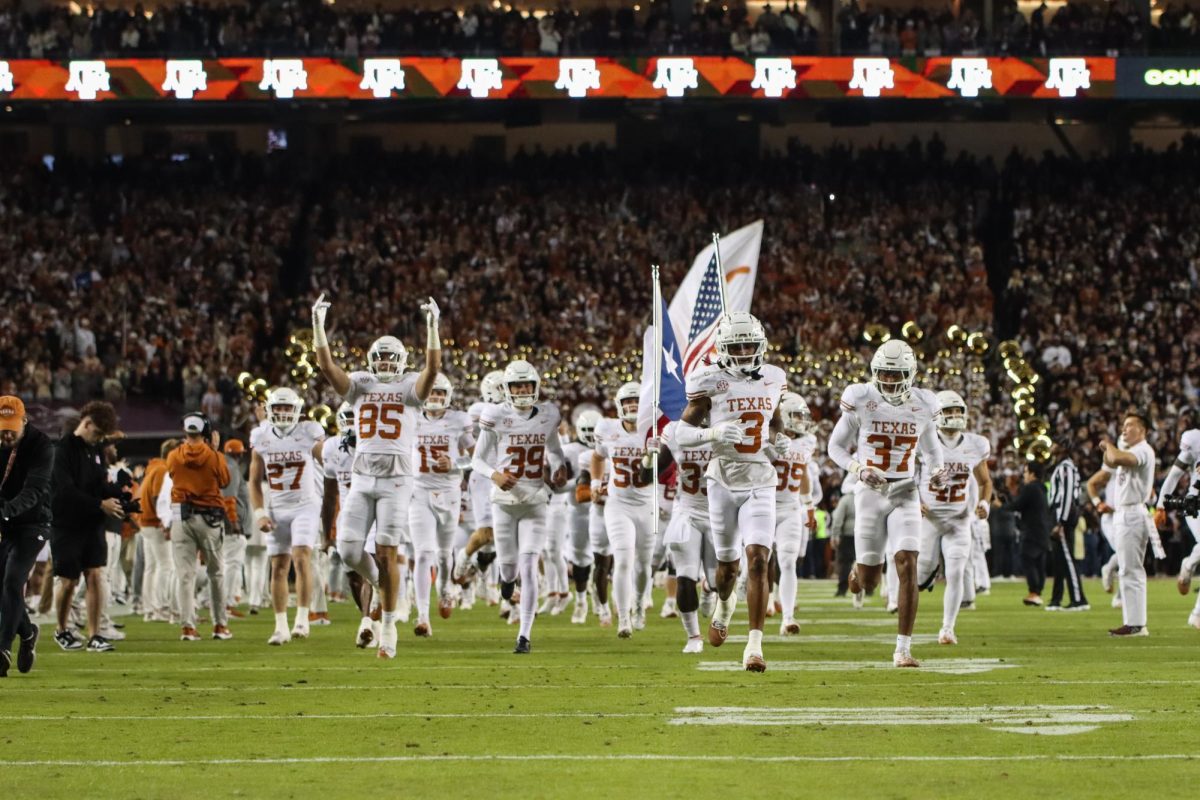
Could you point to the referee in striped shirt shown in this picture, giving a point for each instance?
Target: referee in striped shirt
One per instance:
(1064, 505)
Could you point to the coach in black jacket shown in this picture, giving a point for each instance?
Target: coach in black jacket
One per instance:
(81, 497)
(1036, 520)
(26, 461)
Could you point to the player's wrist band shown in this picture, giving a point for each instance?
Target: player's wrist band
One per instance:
(596, 486)
(319, 338)
(260, 514)
(434, 340)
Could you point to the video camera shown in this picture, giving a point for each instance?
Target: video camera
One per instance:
(1188, 505)
(130, 504)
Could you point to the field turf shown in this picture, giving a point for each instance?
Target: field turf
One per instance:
(1029, 702)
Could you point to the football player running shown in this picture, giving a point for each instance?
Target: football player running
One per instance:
(579, 549)
(887, 422)
(947, 511)
(385, 402)
(627, 508)
(444, 442)
(795, 516)
(1185, 468)
(739, 396)
(283, 451)
(479, 488)
(520, 452)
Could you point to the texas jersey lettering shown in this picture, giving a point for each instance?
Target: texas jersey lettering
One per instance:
(750, 404)
(288, 462)
(521, 450)
(386, 417)
(888, 434)
(448, 436)
(953, 499)
(624, 451)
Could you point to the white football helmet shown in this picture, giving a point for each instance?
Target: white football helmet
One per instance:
(491, 388)
(387, 358)
(440, 384)
(797, 419)
(585, 427)
(345, 418)
(283, 409)
(740, 328)
(628, 391)
(521, 371)
(893, 369)
(948, 400)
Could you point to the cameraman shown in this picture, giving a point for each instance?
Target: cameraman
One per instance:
(198, 472)
(81, 499)
(26, 461)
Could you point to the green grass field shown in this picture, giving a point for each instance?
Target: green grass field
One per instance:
(1029, 702)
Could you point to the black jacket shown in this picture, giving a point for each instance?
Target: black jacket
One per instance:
(25, 495)
(80, 484)
(1036, 519)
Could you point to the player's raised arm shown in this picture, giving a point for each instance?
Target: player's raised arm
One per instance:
(433, 350)
(336, 376)
(690, 434)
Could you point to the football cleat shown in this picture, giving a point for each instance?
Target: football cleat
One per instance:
(858, 600)
(300, 630)
(319, 618)
(1130, 630)
(386, 652)
(189, 634)
(927, 586)
(904, 660)
(717, 633)
(624, 632)
(278, 638)
(605, 616)
(579, 615)
(789, 627)
(892, 608)
(639, 620)
(523, 645)
(1184, 583)
(753, 661)
(422, 630)
(694, 645)
(967, 605)
(668, 609)
(366, 634)
(221, 633)
(946, 636)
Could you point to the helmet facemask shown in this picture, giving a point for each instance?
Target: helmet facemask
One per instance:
(522, 394)
(953, 418)
(894, 384)
(283, 416)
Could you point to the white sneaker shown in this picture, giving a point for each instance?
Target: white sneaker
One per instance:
(639, 620)
(859, 599)
(366, 634)
(1106, 577)
(904, 660)
(892, 608)
(789, 627)
(279, 637)
(668, 609)
(1194, 621)
(946, 636)
(694, 645)
(300, 629)
(579, 615)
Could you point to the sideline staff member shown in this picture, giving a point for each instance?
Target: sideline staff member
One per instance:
(81, 497)
(26, 461)
(198, 473)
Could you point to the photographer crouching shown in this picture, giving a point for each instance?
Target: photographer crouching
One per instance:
(26, 462)
(81, 499)
(198, 472)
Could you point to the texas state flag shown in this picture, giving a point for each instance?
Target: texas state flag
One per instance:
(671, 398)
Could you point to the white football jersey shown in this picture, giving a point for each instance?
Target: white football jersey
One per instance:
(1134, 483)
(624, 450)
(573, 453)
(1189, 453)
(475, 412)
(385, 416)
(521, 443)
(338, 456)
(692, 464)
(288, 461)
(448, 435)
(791, 466)
(750, 404)
(961, 458)
(888, 434)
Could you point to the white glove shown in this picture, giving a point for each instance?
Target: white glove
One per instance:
(725, 433)
(782, 442)
(319, 310)
(653, 445)
(983, 510)
(872, 478)
(940, 478)
(433, 314)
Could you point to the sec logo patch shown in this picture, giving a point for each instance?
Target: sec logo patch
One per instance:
(722, 386)
(872, 405)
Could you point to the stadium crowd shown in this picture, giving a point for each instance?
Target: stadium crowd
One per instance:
(312, 27)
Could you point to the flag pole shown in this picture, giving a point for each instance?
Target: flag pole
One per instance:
(656, 316)
(720, 273)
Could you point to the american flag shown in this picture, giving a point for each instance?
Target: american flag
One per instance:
(705, 316)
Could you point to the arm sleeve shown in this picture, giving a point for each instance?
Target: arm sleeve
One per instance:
(485, 453)
(844, 435)
(688, 435)
(65, 485)
(555, 451)
(931, 449)
(36, 490)
(1174, 475)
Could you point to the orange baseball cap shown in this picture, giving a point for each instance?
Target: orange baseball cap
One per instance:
(12, 413)
(234, 447)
